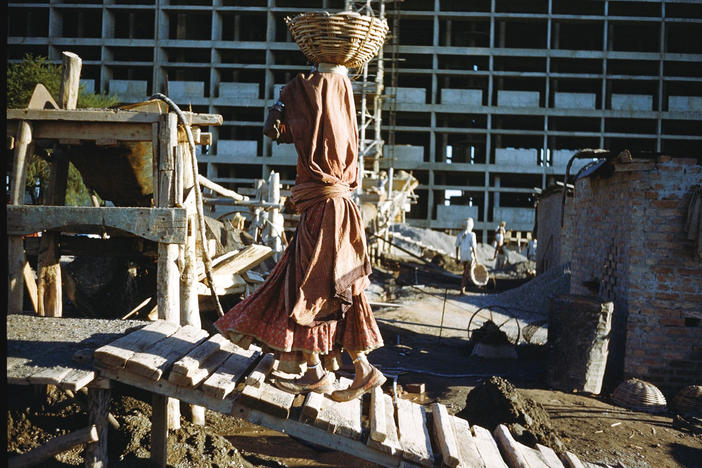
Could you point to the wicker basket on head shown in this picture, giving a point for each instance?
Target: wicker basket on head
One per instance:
(688, 401)
(479, 274)
(639, 395)
(345, 38)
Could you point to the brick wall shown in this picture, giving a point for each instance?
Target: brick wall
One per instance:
(629, 246)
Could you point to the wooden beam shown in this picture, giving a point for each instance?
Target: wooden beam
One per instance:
(117, 353)
(53, 447)
(391, 444)
(470, 457)
(92, 131)
(112, 116)
(166, 225)
(377, 416)
(487, 448)
(202, 361)
(31, 284)
(159, 430)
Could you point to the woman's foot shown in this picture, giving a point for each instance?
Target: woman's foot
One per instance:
(362, 384)
(308, 383)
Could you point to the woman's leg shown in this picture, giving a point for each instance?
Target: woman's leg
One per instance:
(314, 368)
(362, 367)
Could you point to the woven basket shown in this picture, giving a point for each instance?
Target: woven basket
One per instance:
(688, 401)
(639, 395)
(345, 38)
(479, 274)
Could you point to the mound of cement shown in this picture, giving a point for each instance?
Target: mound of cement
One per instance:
(496, 401)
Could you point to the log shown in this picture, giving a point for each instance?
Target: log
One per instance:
(515, 454)
(54, 446)
(570, 460)
(159, 429)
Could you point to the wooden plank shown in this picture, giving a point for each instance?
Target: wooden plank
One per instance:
(487, 447)
(223, 381)
(311, 407)
(76, 379)
(377, 416)
(116, 115)
(263, 368)
(153, 361)
(470, 457)
(247, 258)
(199, 363)
(262, 395)
(342, 418)
(443, 429)
(516, 455)
(391, 444)
(550, 456)
(49, 376)
(164, 387)
(570, 460)
(117, 353)
(54, 447)
(318, 436)
(414, 433)
(157, 224)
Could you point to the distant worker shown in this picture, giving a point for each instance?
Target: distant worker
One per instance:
(531, 250)
(499, 238)
(466, 244)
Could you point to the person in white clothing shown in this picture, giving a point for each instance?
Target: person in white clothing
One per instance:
(466, 244)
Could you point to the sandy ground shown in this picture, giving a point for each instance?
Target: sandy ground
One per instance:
(426, 341)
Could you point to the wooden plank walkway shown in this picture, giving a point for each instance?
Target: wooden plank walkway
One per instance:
(223, 377)
(184, 363)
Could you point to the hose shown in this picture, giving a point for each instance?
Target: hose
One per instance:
(198, 198)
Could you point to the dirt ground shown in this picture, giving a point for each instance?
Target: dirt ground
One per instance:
(425, 342)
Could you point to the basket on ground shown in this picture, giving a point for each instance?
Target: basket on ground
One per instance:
(346, 38)
(689, 401)
(479, 274)
(639, 395)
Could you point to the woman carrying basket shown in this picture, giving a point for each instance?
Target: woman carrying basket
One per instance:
(313, 305)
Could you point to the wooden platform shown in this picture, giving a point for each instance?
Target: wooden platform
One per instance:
(187, 364)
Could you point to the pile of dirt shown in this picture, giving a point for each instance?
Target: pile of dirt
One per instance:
(496, 401)
(490, 334)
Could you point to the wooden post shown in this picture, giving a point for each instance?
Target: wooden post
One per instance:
(275, 225)
(98, 412)
(159, 429)
(168, 274)
(49, 269)
(15, 245)
(189, 306)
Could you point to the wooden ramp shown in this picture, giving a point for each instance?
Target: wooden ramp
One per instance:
(185, 363)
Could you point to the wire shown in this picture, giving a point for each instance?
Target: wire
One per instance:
(198, 198)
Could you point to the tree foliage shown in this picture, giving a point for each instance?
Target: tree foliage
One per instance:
(22, 77)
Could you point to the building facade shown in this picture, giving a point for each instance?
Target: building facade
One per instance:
(483, 101)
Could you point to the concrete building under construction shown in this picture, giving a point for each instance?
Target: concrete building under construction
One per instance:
(482, 101)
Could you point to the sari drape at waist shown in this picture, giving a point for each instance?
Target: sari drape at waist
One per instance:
(308, 194)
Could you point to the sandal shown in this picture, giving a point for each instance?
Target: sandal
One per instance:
(376, 379)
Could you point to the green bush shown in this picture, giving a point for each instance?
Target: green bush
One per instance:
(22, 77)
